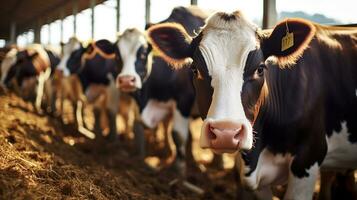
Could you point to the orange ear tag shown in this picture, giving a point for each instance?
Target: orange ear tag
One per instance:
(288, 40)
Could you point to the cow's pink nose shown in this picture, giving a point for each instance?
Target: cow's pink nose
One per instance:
(126, 80)
(224, 135)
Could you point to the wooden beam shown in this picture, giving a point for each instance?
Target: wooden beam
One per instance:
(37, 32)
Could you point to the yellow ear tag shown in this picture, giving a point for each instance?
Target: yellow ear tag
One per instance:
(288, 39)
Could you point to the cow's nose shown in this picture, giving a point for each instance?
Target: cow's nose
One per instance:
(126, 80)
(223, 136)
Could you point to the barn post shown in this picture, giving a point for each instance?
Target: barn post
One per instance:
(61, 26)
(92, 5)
(269, 13)
(118, 15)
(37, 32)
(193, 2)
(147, 11)
(49, 32)
(75, 12)
(13, 32)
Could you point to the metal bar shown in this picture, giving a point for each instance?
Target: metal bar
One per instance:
(75, 12)
(49, 32)
(118, 15)
(92, 5)
(61, 26)
(13, 33)
(37, 32)
(269, 13)
(147, 11)
(194, 2)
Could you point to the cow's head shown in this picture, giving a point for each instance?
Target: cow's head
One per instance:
(72, 54)
(134, 54)
(229, 62)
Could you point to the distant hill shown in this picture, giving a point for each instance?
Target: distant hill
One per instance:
(318, 18)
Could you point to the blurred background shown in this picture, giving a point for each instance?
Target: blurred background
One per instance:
(51, 22)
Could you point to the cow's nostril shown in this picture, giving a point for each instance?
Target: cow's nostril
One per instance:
(132, 79)
(211, 135)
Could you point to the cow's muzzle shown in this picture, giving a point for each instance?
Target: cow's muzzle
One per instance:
(226, 136)
(126, 83)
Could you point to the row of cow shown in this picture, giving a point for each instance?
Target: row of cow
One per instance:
(285, 98)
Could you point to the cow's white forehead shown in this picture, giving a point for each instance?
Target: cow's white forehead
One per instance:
(228, 37)
(130, 41)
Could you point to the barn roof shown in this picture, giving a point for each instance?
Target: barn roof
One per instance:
(29, 13)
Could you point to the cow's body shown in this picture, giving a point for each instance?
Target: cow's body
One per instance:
(23, 66)
(298, 103)
(159, 90)
(92, 71)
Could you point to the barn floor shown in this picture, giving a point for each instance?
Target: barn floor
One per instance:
(42, 159)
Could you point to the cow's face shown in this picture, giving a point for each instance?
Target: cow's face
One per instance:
(228, 59)
(134, 54)
(72, 54)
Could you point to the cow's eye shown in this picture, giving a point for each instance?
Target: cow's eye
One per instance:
(260, 70)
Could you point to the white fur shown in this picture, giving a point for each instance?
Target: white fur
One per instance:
(9, 60)
(72, 45)
(302, 188)
(271, 169)
(341, 153)
(181, 125)
(128, 44)
(225, 47)
(155, 111)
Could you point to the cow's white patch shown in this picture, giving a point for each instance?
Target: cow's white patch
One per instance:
(225, 46)
(356, 92)
(9, 60)
(341, 152)
(72, 45)
(181, 125)
(155, 111)
(302, 188)
(270, 169)
(128, 44)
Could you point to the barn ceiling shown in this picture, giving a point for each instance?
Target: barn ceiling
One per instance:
(29, 13)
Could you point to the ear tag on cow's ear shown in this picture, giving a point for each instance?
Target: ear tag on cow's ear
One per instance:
(288, 40)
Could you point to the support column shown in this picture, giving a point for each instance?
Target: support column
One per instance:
(92, 5)
(147, 11)
(118, 15)
(61, 26)
(269, 13)
(193, 2)
(13, 33)
(75, 12)
(49, 32)
(37, 32)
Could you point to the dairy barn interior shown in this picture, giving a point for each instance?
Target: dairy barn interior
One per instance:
(178, 99)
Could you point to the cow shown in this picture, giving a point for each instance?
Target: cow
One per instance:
(158, 89)
(22, 67)
(285, 98)
(92, 70)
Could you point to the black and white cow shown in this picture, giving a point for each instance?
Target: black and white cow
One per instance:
(21, 67)
(92, 70)
(157, 88)
(285, 97)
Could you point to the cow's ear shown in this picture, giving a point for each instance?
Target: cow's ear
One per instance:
(172, 43)
(288, 41)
